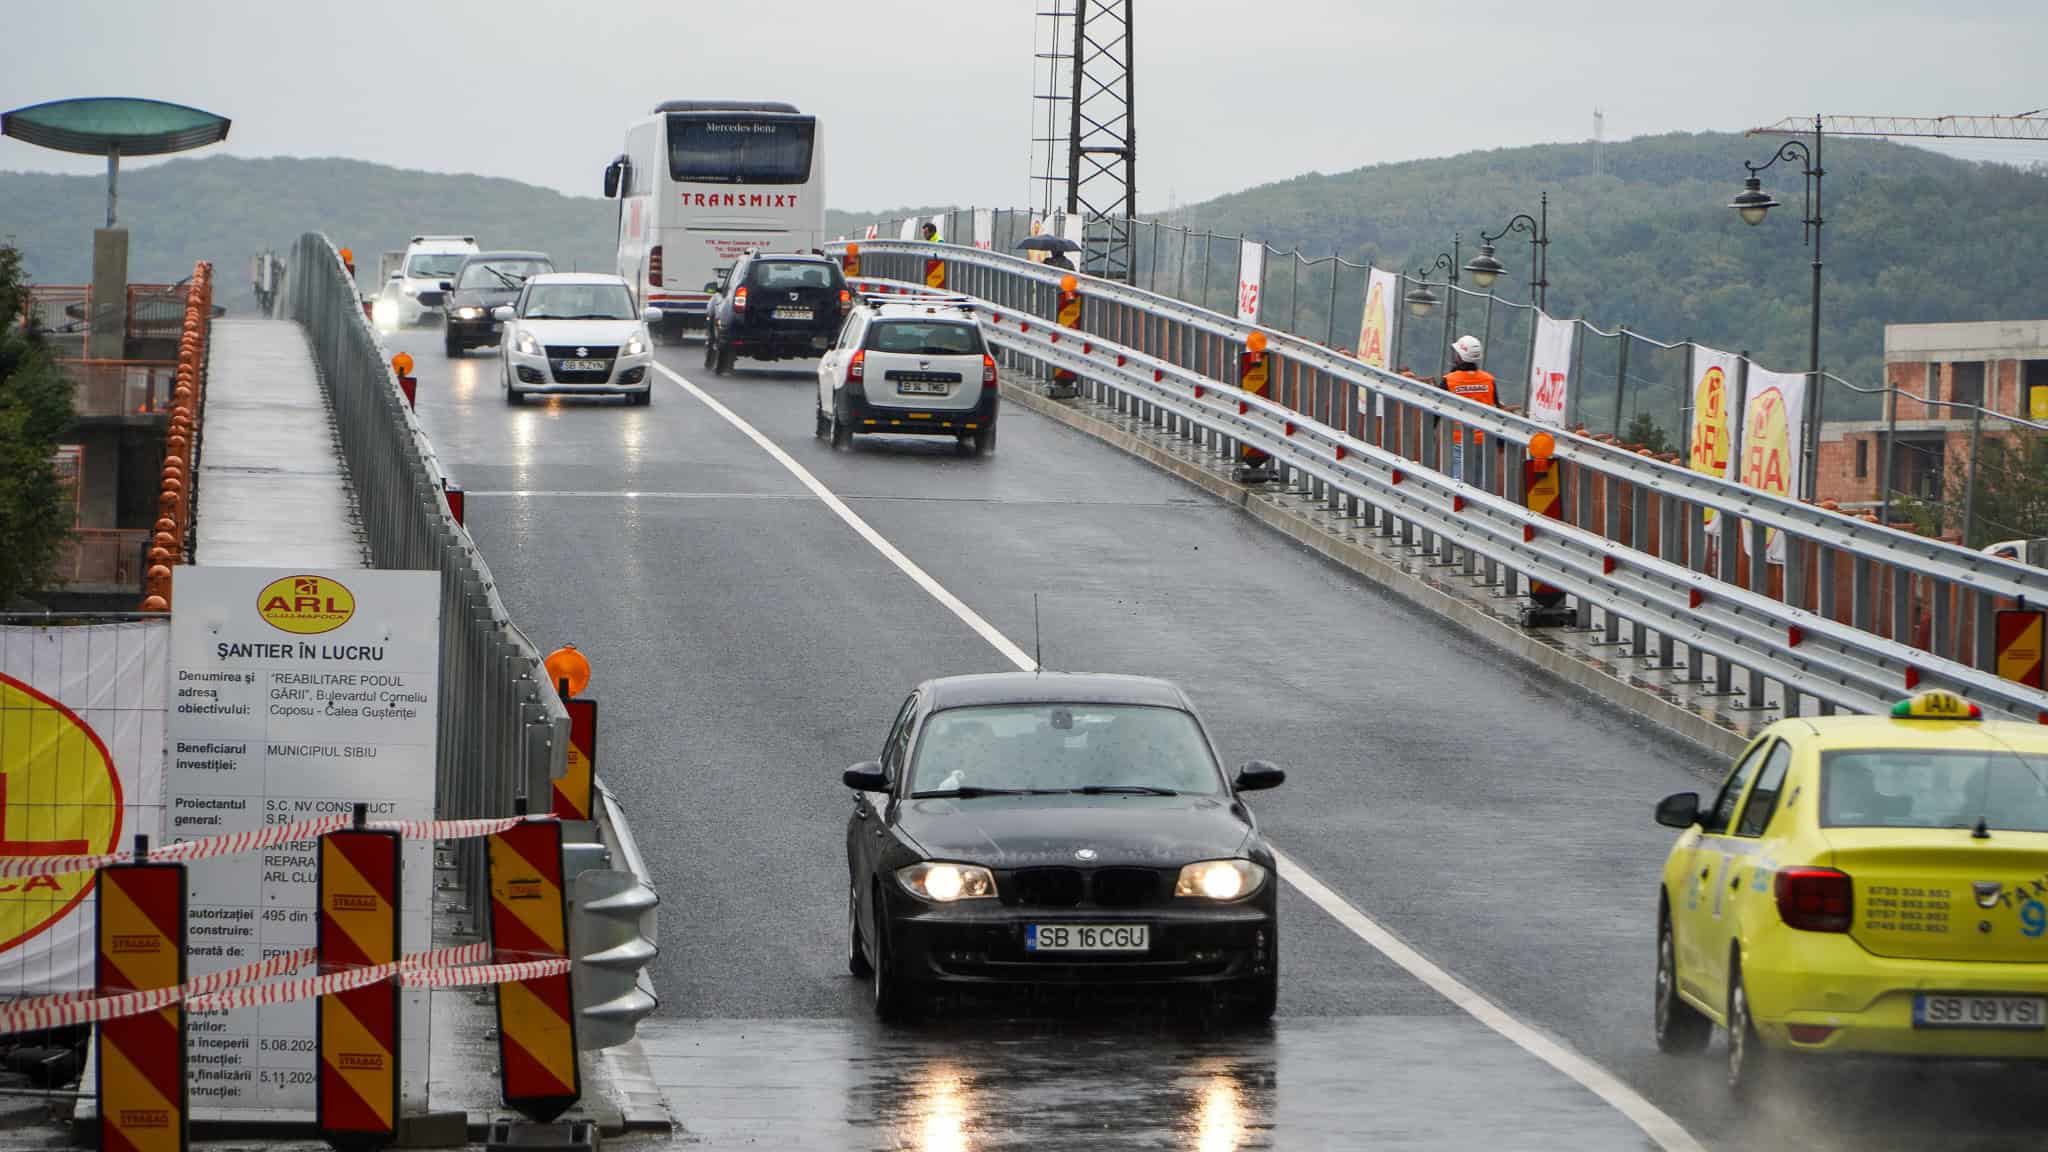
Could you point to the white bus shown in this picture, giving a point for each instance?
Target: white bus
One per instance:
(704, 182)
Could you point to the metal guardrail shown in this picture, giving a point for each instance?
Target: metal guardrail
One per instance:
(504, 733)
(1636, 546)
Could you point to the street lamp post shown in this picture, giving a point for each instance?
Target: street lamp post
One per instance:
(1753, 203)
(1486, 267)
(1421, 301)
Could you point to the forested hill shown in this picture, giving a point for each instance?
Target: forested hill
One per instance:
(1910, 236)
(1649, 242)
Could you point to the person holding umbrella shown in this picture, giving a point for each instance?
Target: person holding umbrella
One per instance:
(1056, 249)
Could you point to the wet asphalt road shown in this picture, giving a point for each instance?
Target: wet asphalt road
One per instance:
(747, 645)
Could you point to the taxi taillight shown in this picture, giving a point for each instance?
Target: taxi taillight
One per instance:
(739, 299)
(856, 368)
(988, 371)
(654, 265)
(1816, 899)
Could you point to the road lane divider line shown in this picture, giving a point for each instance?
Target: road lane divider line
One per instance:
(866, 531)
(1654, 1122)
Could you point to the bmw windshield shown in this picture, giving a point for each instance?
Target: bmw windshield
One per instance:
(1048, 748)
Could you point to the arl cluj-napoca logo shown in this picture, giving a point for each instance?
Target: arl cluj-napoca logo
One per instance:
(305, 605)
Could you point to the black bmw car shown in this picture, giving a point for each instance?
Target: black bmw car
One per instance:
(485, 281)
(1057, 829)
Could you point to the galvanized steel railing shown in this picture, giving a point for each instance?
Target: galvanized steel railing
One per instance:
(503, 731)
(1677, 560)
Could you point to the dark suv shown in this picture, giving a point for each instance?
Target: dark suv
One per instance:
(775, 307)
(485, 281)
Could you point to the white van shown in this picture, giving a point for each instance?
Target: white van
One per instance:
(704, 182)
(429, 261)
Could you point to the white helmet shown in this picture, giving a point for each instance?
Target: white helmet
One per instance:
(1468, 349)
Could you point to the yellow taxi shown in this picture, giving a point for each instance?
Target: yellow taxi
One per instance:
(1862, 885)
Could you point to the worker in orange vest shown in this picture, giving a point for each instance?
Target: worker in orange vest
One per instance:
(1466, 378)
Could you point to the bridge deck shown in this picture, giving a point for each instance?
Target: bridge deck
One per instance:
(272, 489)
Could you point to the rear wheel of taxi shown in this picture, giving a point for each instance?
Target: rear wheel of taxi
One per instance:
(1748, 1059)
(1681, 1028)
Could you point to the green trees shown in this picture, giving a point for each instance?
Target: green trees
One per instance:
(35, 407)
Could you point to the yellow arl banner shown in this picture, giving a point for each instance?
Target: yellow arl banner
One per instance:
(141, 938)
(572, 791)
(357, 1087)
(536, 1018)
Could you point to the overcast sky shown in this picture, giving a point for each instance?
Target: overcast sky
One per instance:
(931, 100)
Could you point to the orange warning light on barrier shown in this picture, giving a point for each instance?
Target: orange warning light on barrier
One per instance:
(572, 791)
(536, 1018)
(2019, 647)
(566, 663)
(356, 1083)
(1542, 446)
(141, 942)
(402, 363)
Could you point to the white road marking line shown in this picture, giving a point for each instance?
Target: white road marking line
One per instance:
(937, 591)
(568, 493)
(1653, 1121)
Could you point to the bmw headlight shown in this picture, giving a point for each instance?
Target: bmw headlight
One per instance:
(1220, 880)
(944, 883)
(469, 313)
(527, 345)
(636, 345)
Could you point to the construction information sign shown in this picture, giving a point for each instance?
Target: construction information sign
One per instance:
(293, 694)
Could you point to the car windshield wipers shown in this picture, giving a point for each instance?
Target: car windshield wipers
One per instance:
(969, 792)
(588, 316)
(1122, 789)
(506, 278)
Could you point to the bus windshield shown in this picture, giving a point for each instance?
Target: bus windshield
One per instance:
(740, 149)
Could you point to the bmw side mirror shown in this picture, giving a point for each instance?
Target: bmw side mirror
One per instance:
(650, 315)
(502, 313)
(1258, 775)
(1679, 810)
(866, 776)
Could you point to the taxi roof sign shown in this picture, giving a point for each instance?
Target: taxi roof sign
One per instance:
(1936, 704)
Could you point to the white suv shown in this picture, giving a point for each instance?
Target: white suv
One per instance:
(914, 367)
(429, 262)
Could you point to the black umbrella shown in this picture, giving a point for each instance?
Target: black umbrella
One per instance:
(1047, 243)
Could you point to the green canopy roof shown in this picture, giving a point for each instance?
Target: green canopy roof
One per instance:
(98, 124)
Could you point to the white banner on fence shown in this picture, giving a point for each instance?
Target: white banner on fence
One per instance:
(295, 695)
(1251, 278)
(1550, 370)
(1713, 410)
(909, 229)
(984, 228)
(872, 232)
(81, 771)
(1376, 325)
(1074, 227)
(1773, 438)
(1037, 229)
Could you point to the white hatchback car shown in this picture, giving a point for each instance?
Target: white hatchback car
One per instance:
(911, 367)
(576, 333)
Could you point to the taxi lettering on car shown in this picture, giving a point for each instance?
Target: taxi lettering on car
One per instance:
(1862, 885)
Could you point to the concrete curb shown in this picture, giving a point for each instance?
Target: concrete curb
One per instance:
(1444, 591)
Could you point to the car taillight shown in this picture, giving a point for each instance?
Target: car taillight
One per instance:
(988, 371)
(845, 301)
(1816, 899)
(654, 265)
(739, 299)
(856, 370)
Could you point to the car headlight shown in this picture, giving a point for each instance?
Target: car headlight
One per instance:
(636, 345)
(527, 345)
(410, 289)
(468, 313)
(944, 883)
(1220, 880)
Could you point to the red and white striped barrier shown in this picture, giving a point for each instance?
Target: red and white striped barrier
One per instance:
(220, 991)
(14, 867)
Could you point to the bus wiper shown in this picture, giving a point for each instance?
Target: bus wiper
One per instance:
(967, 792)
(1123, 789)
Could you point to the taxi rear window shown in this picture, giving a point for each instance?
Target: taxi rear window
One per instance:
(1918, 788)
(924, 338)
